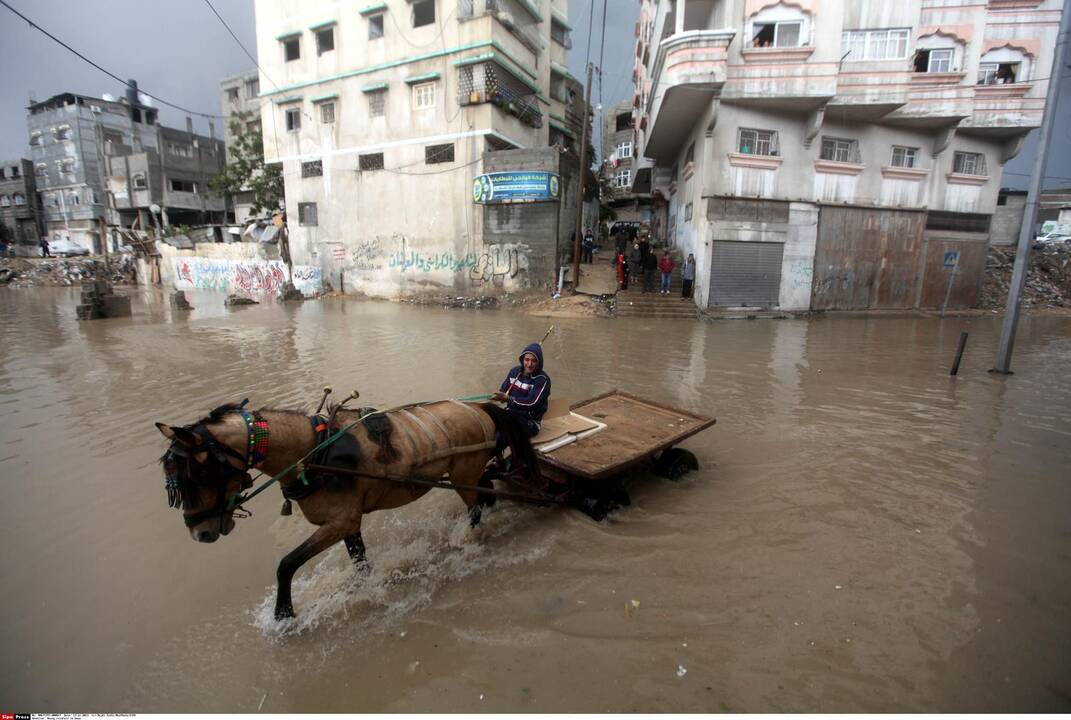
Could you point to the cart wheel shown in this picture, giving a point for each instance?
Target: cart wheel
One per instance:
(675, 462)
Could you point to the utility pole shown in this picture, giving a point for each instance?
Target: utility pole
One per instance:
(583, 178)
(1030, 210)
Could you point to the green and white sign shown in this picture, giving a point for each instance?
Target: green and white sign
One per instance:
(516, 187)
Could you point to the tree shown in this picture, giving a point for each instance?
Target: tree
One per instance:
(246, 170)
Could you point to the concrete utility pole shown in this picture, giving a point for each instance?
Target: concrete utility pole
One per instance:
(583, 178)
(1030, 210)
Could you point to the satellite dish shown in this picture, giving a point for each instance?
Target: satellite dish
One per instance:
(145, 100)
(107, 97)
(155, 208)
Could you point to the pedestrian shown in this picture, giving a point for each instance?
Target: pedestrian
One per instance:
(635, 261)
(666, 265)
(650, 267)
(44, 247)
(687, 277)
(588, 246)
(645, 249)
(622, 270)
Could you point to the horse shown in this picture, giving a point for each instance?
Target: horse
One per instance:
(207, 466)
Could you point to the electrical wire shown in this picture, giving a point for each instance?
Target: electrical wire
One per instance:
(112, 75)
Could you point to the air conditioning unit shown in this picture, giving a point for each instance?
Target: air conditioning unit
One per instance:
(96, 108)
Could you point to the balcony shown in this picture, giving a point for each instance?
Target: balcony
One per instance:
(689, 71)
(868, 96)
(1002, 111)
(934, 100)
(515, 15)
(488, 79)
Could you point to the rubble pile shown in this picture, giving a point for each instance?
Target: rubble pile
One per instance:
(478, 302)
(53, 272)
(1048, 281)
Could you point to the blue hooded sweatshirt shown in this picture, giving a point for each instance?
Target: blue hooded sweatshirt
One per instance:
(529, 395)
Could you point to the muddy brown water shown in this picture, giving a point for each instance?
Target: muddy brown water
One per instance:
(865, 533)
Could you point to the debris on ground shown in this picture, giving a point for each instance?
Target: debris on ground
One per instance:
(1048, 281)
(233, 300)
(572, 306)
(65, 272)
(478, 302)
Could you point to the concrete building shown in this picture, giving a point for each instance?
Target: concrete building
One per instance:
(832, 154)
(385, 118)
(240, 101)
(102, 161)
(618, 151)
(20, 208)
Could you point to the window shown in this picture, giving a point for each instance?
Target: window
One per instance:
(35, 137)
(1002, 199)
(960, 222)
(370, 161)
(3, 173)
(874, 44)
(934, 61)
(41, 170)
(252, 88)
(688, 212)
(375, 27)
(779, 34)
(52, 200)
(306, 213)
(997, 73)
(73, 199)
(377, 103)
(325, 40)
(423, 96)
(293, 119)
(623, 122)
(232, 94)
(840, 150)
(624, 150)
(968, 163)
(560, 35)
(904, 156)
(689, 156)
(66, 166)
(63, 132)
(439, 153)
(327, 113)
(757, 142)
(138, 181)
(20, 199)
(5, 201)
(313, 168)
(423, 13)
(180, 149)
(183, 185)
(14, 171)
(623, 178)
(292, 48)
(253, 126)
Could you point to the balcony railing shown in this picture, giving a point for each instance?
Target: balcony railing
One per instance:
(489, 83)
(513, 18)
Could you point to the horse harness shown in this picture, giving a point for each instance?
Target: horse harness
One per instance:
(217, 471)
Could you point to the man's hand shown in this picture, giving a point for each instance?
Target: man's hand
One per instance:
(500, 396)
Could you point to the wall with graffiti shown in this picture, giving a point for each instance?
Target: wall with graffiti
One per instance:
(241, 276)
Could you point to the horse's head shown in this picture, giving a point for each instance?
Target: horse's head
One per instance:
(205, 473)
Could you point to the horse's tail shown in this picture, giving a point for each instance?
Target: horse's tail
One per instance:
(520, 445)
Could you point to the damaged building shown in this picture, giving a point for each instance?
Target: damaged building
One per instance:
(425, 145)
(106, 161)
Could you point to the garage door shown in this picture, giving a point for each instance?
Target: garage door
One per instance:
(746, 273)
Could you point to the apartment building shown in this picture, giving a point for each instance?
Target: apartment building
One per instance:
(106, 161)
(384, 115)
(239, 98)
(19, 205)
(618, 151)
(834, 154)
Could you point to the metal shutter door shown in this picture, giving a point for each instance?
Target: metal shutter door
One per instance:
(746, 273)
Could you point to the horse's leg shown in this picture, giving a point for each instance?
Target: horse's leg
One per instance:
(319, 541)
(468, 470)
(355, 547)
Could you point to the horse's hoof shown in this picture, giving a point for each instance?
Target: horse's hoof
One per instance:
(475, 514)
(363, 568)
(284, 613)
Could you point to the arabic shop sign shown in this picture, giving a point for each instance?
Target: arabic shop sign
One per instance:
(516, 187)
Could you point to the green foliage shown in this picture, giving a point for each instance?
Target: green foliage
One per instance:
(246, 170)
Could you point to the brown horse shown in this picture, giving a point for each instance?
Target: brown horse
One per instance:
(208, 462)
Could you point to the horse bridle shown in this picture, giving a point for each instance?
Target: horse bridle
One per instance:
(216, 471)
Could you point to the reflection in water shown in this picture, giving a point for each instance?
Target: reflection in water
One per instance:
(865, 533)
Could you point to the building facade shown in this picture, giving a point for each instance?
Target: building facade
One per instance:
(618, 151)
(20, 208)
(383, 117)
(239, 98)
(834, 154)
(102, 161)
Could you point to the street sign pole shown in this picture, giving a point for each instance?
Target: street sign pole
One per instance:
(1030, 210)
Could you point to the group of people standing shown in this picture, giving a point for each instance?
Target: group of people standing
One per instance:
(644, 262)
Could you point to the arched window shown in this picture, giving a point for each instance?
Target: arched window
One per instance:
(73, 199)
(780, 25)
(1004, 65)
(138, 181)
(20, 199)
(5, 201)
(938, 53)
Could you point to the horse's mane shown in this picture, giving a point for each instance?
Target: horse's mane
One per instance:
(218, 413)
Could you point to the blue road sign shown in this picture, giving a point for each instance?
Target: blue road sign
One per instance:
(951, 258)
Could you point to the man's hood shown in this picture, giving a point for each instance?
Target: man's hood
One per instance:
(536, 350)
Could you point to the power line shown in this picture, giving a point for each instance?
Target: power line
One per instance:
(247, 53)
(115, 77)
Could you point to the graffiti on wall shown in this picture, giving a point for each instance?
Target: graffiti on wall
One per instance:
(498, 261)
(250, 276)
(367, 255)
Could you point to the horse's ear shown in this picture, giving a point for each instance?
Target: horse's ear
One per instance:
(184, 436)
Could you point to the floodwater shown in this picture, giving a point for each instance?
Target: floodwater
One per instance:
(865, 534)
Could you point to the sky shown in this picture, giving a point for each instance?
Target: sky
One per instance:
(179, 51)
